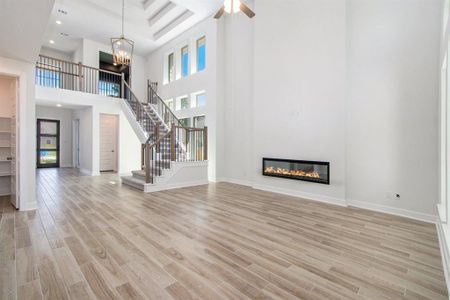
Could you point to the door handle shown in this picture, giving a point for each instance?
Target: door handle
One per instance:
(112, 150)
(9, 158)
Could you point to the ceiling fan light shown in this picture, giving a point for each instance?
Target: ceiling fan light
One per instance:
(232, 6)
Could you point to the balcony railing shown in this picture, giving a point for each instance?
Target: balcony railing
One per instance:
(61, 74)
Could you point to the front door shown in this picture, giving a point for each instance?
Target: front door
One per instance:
(108, 142)
(48, 143)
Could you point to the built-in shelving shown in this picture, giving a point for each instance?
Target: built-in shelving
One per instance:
(5, 152)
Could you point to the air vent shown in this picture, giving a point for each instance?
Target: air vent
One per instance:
(64, 34)
(61, 11)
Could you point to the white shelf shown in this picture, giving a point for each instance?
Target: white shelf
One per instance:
(4, 174)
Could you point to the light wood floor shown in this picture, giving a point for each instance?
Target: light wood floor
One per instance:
(92, 238)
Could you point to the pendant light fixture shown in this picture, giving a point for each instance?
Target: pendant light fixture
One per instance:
(122, 48)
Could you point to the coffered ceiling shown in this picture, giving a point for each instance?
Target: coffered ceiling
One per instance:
(150, 23)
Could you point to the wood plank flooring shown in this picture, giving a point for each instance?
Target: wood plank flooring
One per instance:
(92, 238)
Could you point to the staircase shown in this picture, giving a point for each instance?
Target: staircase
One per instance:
(172, 155)
(170, 148)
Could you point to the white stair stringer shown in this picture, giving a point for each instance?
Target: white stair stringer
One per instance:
(137, 128)
(181, 174)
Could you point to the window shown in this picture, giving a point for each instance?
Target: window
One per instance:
(170, 104)
(171, 67)
(186, 122)
(199, 121)
(200, 100)
(185, 103)
(110, 89)
(201, 54)
(48, 76)
(185, 61)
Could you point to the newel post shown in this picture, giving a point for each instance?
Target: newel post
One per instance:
(147, 163)
(172, 143)
(122, 86)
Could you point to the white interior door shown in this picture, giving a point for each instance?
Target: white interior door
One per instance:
(14, 148)
(108, 142)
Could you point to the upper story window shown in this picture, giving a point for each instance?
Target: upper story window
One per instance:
(186, 122)
(185, 61)
(199, 121)
(201, 54)
(200, 99)
(185, 103)
(171, 67)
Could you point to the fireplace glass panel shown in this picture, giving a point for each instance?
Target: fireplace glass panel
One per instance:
(313, 171)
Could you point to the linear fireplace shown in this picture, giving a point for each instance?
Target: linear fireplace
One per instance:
(313, 171)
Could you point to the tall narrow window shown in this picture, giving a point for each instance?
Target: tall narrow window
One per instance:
(185, 103)
(47, 143)
(200, 100)
(201, 54)
(199, 121)
(185, 61)
(171, 67)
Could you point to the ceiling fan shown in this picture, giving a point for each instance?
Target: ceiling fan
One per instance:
(234, 6)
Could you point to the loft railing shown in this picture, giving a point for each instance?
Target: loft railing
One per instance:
(56, 73)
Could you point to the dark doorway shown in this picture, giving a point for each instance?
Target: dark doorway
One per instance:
(48, 135)
(107, 63)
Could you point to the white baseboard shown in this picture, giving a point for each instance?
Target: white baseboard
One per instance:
(394, 211)
(236, 181)
(28, 206)
(89, 172)
(164, 187)
(443, 245)
(295, 193)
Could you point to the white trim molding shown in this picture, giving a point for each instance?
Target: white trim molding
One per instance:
(429, 218)
(443, 245)
(303, 195)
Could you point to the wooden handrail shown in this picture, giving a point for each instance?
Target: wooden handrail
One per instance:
(78, 64)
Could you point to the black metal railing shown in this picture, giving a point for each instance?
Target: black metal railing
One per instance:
(141, 114)
(56, 73)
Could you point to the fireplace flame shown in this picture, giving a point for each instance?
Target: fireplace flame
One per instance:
(299, 173)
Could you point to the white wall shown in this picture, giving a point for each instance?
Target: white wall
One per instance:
(85, 117)
(206, 80)
(299, 91)
(350, 82)
(89, 55)
(6, 95)
(56, 54)
(26, 159)
(392, 116)
(65, 117)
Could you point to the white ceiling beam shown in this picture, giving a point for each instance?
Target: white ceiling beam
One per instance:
(164, 12)
(172, 25)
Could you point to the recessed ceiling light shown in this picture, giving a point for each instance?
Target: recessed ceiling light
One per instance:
(58, 105)
(58, 22)
(51, 42)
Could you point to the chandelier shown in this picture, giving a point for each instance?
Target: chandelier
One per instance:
(122, 48)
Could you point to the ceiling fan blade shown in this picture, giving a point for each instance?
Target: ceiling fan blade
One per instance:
(220, 12)
(244, 8)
